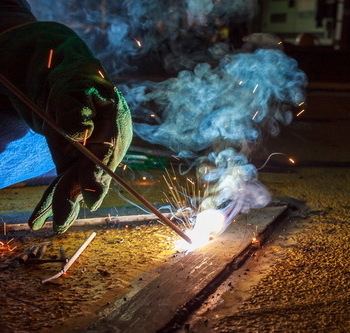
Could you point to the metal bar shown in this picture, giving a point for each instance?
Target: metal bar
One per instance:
(71, 261)
(25, 99)
(95, 221)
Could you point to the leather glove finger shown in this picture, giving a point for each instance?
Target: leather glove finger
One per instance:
(94, 181)
(43, 210)
(61, 200)
(66, 200)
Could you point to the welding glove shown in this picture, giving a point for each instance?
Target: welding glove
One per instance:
(73, 89)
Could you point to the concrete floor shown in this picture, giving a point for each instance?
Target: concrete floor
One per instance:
(300, 281)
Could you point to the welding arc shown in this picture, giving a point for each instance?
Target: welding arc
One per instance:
(25, 99)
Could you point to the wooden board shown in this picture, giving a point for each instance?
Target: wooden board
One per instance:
(182, 280)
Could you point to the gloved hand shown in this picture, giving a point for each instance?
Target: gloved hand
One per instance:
(77, 94)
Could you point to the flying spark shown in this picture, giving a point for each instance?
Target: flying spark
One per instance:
(85, 137)
(49, 61)
(300, 112)
(137, 42)
(256, 87)
(101, 74)
(256, 113)
(273, 154)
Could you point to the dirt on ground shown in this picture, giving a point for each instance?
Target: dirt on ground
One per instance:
(102, 274)
(300, 281)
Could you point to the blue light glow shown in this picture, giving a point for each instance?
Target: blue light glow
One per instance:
(25, 158)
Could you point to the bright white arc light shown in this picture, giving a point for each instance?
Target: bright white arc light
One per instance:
(209, 223)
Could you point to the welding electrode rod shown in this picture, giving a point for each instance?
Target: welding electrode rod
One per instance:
(25, 99)
(71, 261)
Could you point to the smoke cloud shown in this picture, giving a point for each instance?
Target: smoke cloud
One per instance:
(245, 94)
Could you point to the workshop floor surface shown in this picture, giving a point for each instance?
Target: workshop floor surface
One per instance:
(310, 271)
(300, 281)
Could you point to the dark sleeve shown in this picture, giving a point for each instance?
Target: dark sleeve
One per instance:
(13, 13)
(12, 127)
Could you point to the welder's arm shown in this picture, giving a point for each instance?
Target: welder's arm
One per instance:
(55, 68)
